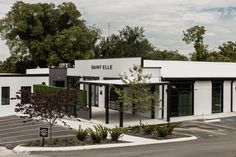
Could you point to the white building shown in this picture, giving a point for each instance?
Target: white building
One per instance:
(184, 88)
(11, 83)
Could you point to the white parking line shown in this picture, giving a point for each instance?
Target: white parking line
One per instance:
(212, 120)
(20, 130)
(217, 125)
(24, 127)
(208, 131)
(36, 139)
(17, 124)
(28, 135)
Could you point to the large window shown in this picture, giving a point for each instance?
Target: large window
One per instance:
(25, 95)
(72, 82)
(217, 96)
(113, 97)
(5, 95)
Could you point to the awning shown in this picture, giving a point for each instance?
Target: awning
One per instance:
(151, 81)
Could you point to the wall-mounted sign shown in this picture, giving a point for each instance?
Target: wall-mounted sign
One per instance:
(104, 67)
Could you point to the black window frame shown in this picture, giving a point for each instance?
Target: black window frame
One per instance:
(222, 95)
(7, 100)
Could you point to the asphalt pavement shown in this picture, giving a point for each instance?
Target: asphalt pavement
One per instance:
(14, 130)
(216, 139)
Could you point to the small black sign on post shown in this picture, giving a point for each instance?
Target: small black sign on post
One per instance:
(43, 132)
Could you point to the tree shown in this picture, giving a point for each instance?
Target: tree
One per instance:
(130, 42)
(46, 106)
(47, 34)
(195, 35)
(166, 55)
(137, 94)
(226, 53)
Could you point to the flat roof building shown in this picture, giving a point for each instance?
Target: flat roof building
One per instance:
(184, 88)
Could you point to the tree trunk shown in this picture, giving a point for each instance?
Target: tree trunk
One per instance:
(50, 132)
(140, 119)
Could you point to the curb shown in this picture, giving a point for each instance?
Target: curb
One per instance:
(22, 149)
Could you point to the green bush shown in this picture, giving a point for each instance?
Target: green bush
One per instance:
(162, 131)
(116, 133)
(95, 135)
(148, 129)
(171, 127)
(165, 130)
(81, 134)
(102, 130)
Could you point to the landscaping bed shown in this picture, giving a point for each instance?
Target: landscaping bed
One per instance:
(90, 136)
(63, 142)
(159, 132)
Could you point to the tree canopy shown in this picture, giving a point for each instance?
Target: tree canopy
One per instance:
(195, 35)
(226, 53)
(130, 42)
(46, 35)
(166, 55)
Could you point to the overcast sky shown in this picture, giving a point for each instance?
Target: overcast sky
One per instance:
(163, 21)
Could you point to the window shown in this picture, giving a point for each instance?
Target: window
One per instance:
(217, 96)
(25, 95)
(59, 83)
(5, 95)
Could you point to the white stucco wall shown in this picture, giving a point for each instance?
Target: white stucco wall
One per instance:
(106, 67)
(101, 98)
(15, 84)
(158, 109)
(165, 102)
(37, 71)
(227, 96)
(234, 96)
(202, 97)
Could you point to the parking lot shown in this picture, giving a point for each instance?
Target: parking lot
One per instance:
(209, 128)
(13, 131)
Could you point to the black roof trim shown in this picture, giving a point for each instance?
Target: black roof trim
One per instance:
(197, 78)
(151, 67)
(24, 75)
(108, 58)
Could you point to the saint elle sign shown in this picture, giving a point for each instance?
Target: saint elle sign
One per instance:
(104, 67)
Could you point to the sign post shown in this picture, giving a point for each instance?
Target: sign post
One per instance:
(43, 132)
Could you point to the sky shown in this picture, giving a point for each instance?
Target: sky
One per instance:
(163, 21)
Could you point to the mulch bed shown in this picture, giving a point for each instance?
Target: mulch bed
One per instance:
(61, 142)
(155, 136)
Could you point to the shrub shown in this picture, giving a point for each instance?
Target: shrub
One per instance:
(116, 133)
(81, 134)
(102, 130)
(95, 135)
(171, 127)
(165, 130)
(162, 131)
(148, 129)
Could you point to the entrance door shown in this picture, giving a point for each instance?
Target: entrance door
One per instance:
(181, 99)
